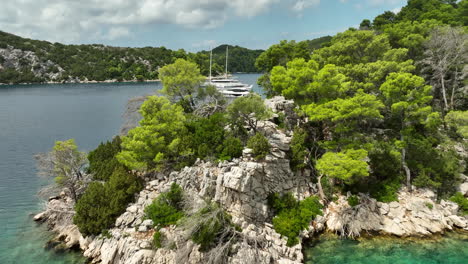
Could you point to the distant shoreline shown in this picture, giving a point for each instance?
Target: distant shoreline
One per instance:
(106, 81)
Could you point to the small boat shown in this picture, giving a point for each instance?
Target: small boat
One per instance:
(228, 85)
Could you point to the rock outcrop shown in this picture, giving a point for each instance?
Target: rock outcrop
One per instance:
(241, 188)
(415, 214)
(18, 59)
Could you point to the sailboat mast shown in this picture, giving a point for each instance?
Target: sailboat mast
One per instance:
(211, 59)
(227, 52)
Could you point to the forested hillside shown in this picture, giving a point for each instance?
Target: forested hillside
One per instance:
(26, 60)
(391, 95)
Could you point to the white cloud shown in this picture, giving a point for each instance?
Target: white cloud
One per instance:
(206, 44)
(70, 21)
(117, 32)
(382, 2)
(300, 5)
(396, 10)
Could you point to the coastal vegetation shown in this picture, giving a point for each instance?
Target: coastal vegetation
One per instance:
(58, 62)
(293, 216)
(377, 112)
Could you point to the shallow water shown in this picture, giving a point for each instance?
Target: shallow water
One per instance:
(32, 117)
(449, 249)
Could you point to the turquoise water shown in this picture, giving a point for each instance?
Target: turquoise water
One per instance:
(32, 117)
(450, 249)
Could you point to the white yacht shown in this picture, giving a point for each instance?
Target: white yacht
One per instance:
(228, 85)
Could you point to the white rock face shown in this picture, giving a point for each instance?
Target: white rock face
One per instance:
(241, 186)
(411, 216)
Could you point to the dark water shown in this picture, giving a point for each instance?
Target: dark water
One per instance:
(32, 117)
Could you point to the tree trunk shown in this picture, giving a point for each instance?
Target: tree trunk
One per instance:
(454, 87)
(405, 166)
(444, 95)
(73, 193)
(319, 184)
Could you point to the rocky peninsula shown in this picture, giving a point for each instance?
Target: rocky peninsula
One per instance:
(241, 186)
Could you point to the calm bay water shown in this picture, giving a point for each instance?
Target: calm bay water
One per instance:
(32, 117)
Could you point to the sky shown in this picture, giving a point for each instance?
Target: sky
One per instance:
(185, 24)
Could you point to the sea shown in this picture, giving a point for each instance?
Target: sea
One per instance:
(33, 117)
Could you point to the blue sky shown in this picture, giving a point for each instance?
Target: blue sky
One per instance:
(188, 24)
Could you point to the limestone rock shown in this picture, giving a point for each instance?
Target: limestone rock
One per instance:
(410, 216)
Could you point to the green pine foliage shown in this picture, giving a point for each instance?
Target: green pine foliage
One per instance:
(259, 145)
(293, 216)
(158, 238)
(461, 201)
(353, 200)
(166, 209)
(102, 203)
(208, 135)
(102, 160)
(232, 148)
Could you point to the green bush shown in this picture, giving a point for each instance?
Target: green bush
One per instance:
(166, 209)
(232, 148)
(102, 203)
(353, 200)
(207, 135)
(102, 161)
(462, 201)
(157, 239)
(386, 191)
(298, 149)
(281, 202)
(259, 145)
(293, 216)
(429, 205)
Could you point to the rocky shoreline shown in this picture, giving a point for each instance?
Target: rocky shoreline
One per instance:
(85, 81)
(241, 187)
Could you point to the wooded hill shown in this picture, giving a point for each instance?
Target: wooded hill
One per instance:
(26, 60)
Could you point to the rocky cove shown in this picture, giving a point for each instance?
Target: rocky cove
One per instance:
(241, 187)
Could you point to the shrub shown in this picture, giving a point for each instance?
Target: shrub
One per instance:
(353, 200)
(279, 203)
(207, 135)
(280, 120)
(211, 226)
(248, 110)
(259, 145)
(166, 209)
(294, 216)
(429, 205)
(461, 201)
(157, 239)
(102, 161)
(298, 149)
(102, 203)
(232, 148)
(106, 234)
(386, 191)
